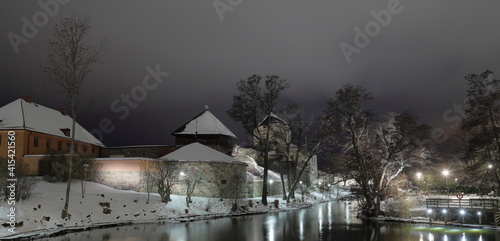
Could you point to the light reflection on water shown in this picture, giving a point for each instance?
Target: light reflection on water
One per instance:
(328, 221)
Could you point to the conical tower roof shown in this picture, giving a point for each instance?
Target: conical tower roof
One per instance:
(204, 124)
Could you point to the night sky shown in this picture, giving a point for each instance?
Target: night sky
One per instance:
(410, 54)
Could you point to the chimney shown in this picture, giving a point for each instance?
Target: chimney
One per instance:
(63, 111)
(26, 98)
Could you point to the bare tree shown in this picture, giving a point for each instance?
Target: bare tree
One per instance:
(375, 150)
(395, 144)
(166, 174)
(191, 179)
(147, 178)
(482, 124)
(236, 188)
(348, 122)
(251, 105)
(69, 66)
(294, 143)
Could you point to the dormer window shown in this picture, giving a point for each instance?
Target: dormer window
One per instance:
(66, 131)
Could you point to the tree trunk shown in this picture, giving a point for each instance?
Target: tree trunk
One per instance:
(65, 211)
(266, 161)
(283, 186)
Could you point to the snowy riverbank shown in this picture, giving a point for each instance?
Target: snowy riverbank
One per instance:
(104, 206)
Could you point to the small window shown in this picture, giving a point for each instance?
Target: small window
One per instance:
(68, 146)
(35, 142)
(85, 149)
(0, 139)
(59, 145)
(66, 131)
(47, 144)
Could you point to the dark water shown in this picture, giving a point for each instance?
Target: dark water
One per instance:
(328, 221)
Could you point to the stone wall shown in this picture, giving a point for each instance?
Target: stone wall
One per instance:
(215, 179)
(124, 180)
(117, 173)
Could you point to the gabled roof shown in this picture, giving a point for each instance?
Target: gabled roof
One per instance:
(273, 116)
(23, 115)
(204, 124)
(198, 152)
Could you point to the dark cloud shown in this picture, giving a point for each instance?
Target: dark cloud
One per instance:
(416, 62)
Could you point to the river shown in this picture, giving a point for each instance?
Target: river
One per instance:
(327, 221)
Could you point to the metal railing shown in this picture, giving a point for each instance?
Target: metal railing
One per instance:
(471, 203)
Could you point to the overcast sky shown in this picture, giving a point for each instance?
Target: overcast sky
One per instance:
(413, 57)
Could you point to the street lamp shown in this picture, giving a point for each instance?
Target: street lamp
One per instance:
(446, 173)
(429, 212)
(445, 216)
(479, 215)
(419, 175)
(462, 213)
(86, 166)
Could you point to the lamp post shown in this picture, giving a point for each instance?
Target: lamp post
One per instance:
(462, 213)
(479, 216)
(86, 166)
(445, 216)
(429, 212)
(446, 173)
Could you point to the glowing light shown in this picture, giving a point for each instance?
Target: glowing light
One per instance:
(182, 174)
(490, 166)
(446, 172)
(479, 213)
(271, 181)
(444, 211)
(419, 175)
(429, 211)
(462, 212)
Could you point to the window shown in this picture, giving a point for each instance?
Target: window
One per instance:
(67, 147)
(0, 139)
(66, 131)
(59, 146)
(85, 149)
(47, 144)
(35, 142)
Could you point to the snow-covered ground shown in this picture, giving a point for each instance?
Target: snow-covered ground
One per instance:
(41, 214)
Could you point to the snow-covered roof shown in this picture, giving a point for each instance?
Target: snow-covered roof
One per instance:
(204, 124)
(198, 152)
(273, 116)
(21, 114)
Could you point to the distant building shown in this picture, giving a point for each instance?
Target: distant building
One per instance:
(281, 146)
(206, 129)
(39, 129)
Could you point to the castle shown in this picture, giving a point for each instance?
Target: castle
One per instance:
(204, 147)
